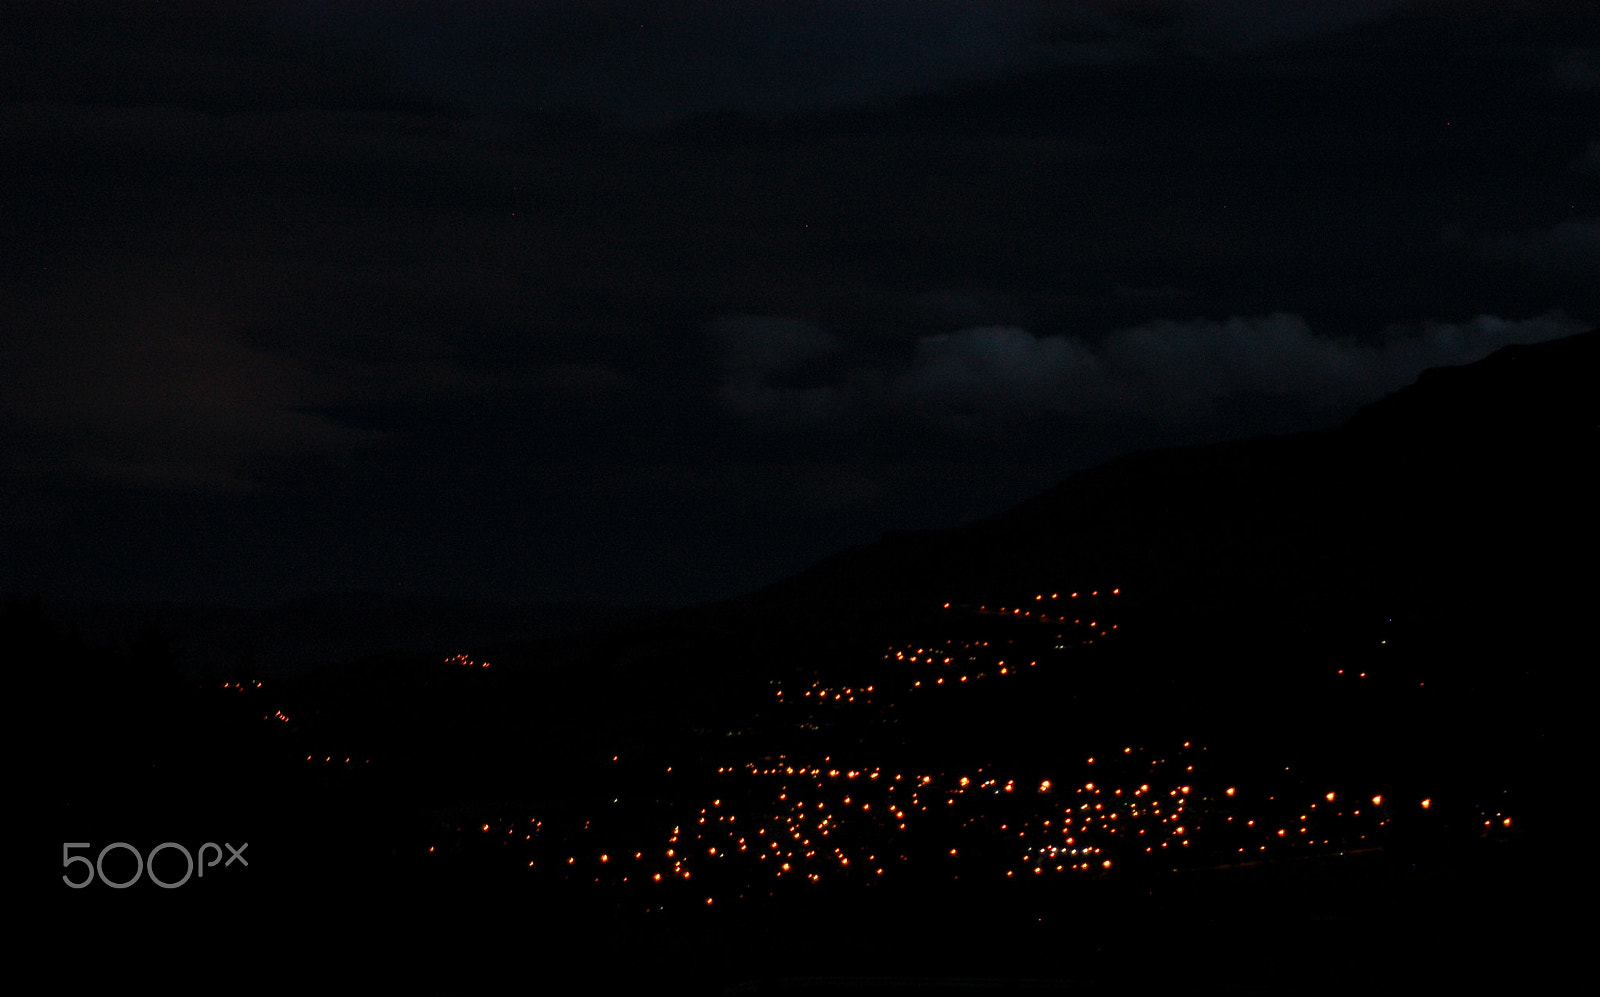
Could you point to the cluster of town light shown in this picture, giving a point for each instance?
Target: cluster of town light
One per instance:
(786, 821)
(783, 819)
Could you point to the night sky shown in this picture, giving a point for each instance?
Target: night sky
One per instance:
(658, 302)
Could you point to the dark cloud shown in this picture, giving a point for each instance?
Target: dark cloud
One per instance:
(160, 394)
(754, 351)
(983, 378)
(1572, 245)
(966, 306)
(223, 58)
(649, 62)
(1218, 26)
(759, 344)
(1576, 69)
(1002, 369)
(1181, 371)
(1589, 162)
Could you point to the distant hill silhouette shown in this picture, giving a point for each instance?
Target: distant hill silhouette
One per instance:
(1468, 492)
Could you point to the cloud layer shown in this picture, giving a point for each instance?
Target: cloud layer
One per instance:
(1178, 371)
(753, 351)
(1173, 372)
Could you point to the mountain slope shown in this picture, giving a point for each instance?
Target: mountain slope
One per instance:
(1462, 492)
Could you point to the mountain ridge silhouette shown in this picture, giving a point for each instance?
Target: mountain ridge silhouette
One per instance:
(1471, 475)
